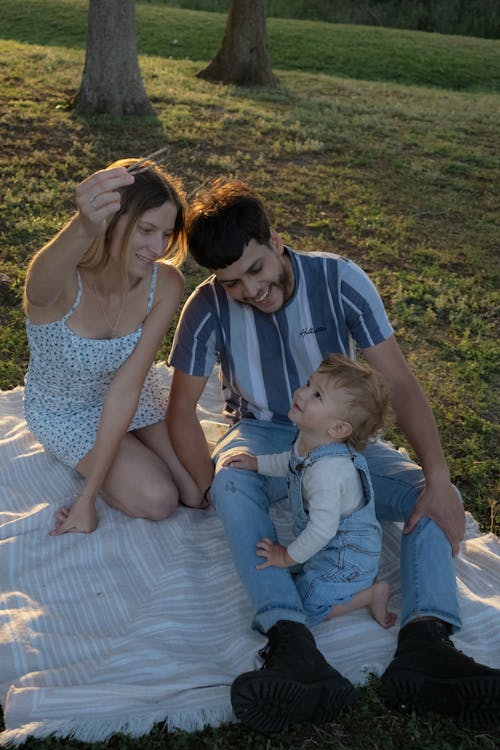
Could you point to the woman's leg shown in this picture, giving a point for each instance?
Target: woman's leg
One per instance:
(156, 438)
(139, 482)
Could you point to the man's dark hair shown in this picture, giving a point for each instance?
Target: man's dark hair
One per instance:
(222, 220)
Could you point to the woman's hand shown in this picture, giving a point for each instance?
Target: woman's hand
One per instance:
(196, 499)
(81, 518)
(98, 198)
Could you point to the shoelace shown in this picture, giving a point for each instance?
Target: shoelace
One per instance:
(265, 653)
(275, 643)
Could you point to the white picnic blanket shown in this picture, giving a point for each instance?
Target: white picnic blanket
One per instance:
(144, 622)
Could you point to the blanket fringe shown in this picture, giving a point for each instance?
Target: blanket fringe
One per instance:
(101, 731)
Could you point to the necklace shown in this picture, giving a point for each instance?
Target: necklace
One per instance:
(112, 326)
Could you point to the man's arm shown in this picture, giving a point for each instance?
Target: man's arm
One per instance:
(439, 500)
(186, 434)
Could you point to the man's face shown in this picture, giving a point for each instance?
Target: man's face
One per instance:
(261, 277)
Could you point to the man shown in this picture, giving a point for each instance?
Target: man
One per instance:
(269, 315)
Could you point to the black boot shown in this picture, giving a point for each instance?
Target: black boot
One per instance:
(295, 684)
(429, 674)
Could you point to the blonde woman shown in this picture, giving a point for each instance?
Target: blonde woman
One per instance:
(99, 298)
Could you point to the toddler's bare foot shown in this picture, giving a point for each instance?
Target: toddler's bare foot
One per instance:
(378, 605)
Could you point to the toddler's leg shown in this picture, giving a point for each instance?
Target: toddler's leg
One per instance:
(375, 598)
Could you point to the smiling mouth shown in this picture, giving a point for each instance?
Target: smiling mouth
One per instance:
(263, 296)
(143, 257)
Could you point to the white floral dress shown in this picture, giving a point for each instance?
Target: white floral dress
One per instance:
(67, 380)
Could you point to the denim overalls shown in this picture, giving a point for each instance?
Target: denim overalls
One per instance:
(243, 500)
(349, 562)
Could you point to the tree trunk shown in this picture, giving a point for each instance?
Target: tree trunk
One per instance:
(243, 57)
(111, 82)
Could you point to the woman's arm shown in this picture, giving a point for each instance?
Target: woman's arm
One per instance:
(184, 428)
(121, 400)
(97, 200)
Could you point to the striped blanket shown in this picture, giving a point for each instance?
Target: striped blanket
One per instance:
(145, 622)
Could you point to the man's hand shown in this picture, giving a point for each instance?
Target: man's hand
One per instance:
(441, 503)
(274, 553)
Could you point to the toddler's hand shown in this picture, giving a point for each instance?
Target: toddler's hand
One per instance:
(274, 553)
(241, 461)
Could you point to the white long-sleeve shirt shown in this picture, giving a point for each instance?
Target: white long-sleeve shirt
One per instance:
(331, 489)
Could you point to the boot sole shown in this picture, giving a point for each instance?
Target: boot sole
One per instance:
(472, 701)
(269, 703)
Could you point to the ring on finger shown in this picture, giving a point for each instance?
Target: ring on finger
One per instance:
(93, 200)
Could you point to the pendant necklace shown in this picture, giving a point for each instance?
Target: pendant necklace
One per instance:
(112, 326)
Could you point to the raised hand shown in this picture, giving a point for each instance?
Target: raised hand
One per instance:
(98, 197)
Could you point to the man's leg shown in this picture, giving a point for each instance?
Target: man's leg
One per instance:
(427, 672)
(296, 683)
(427, 568)
(242, 500)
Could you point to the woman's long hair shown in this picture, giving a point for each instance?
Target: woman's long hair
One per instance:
(151, 188)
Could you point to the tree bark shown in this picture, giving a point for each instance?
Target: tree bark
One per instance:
(243, 57)
(111, 82)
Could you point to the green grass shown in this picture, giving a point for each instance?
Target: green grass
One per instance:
(472, 18)
(366, 725)
(397, 169)
(362, 52)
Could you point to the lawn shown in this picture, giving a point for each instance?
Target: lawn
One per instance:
(378, 144)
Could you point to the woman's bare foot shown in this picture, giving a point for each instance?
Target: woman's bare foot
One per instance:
(379, 597)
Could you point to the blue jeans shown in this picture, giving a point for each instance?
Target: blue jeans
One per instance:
(243, 499)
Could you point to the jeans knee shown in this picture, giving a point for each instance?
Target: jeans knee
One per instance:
(414, 495)
(224, 486)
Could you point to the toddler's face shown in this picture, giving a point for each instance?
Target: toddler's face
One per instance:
(318, 405)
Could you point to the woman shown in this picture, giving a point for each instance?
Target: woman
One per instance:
(99, 298)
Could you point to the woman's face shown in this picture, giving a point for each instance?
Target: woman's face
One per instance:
(148, 239)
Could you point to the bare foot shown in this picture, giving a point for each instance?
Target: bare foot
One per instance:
(378, 604)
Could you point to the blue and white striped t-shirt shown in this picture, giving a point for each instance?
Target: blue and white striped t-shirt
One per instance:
(265, 357)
